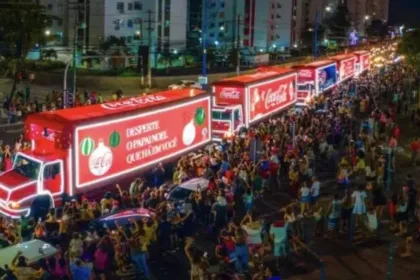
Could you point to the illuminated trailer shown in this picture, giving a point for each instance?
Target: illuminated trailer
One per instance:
(314, 78)
(81, 149)
(246, 100)
(362, 61)
(346, 66)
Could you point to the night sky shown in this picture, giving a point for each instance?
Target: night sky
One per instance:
(405, 12)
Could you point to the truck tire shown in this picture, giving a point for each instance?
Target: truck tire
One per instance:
(40, 207)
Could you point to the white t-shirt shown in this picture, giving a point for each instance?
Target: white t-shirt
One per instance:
(316, 186)
(305, 191)
(254, 235)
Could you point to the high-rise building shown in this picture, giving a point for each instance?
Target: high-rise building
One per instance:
(261, 24)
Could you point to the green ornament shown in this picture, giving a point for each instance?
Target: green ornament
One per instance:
(87, 146)
(114, 139)
(200, 116)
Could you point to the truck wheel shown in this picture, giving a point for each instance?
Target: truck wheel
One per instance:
(40, 207)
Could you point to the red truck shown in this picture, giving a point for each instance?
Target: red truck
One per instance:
(242, 101)
(363, 61)
(84, 148)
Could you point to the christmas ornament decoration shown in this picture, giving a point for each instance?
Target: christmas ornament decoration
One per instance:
(114, 139)
(200, 116)
(87, 146)
(100, 161)
(188, 134)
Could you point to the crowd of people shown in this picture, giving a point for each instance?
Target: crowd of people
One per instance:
(348, 132)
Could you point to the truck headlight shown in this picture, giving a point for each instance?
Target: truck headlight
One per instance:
(13, 205)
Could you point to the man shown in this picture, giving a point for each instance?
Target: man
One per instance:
(414, 147)
(80, 270)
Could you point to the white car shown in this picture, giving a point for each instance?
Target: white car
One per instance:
(181, 192)
(185, 84)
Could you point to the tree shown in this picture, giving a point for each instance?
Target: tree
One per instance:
(409, 46)
(22, 25)
(378, 29)
(167, 59)
(49, 54)
(338, 24)
(308, 36)
(116, 47)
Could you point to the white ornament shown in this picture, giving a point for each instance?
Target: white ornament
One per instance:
(100, 161)
(188, 135)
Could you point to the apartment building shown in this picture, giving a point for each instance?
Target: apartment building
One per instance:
(262, 25)
(132, 19)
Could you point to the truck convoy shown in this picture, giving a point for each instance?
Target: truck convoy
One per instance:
(74, 151)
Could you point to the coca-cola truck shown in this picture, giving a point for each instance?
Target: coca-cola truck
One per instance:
(77, 150)
(242, 101)
(314, 78)
(346, 66)
(362, 61)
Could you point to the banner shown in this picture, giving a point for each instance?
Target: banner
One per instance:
(272, 96)
(112, 148)
(326, 78)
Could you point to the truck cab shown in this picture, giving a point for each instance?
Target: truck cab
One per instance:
(34, 183)
(226, 120)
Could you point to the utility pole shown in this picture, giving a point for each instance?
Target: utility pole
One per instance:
(149, 41)
(238, 45)
(316, 36)
(85, 17)
(204, 30)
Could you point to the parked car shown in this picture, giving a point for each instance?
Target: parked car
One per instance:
(33, 251)
(185, 84)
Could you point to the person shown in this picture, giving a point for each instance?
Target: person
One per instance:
(248, 199)
(315, 190)
(80, 270)
(76, 246)
(198, 266)
(305, 193)
(20, 268)
(359, 202)
(402, 216)
(371, 220)
(138, 246)
(278, 233)
(334, 211)
(414, 147)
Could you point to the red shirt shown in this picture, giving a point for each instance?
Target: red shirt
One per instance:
(415, 146)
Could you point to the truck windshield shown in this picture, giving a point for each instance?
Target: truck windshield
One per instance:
(27, 167)
(218, 115)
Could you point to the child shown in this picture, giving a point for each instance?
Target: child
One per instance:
(371, 220)
(334, 211)
(304, 198)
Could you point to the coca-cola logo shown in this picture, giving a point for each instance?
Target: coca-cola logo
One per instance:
(262, 74)
(131, 102)
(305, 74)
(230, 93)
(273, 98)
(100, 161)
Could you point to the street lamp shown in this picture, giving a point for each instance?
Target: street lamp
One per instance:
(175, 51)
(138, 32)
(222, 28)
(47, 32)
(367, 17)
(310, 29)
(328, 9)
(216, 43)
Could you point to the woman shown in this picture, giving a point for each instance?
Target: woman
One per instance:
(100, 260)
(198, 265)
